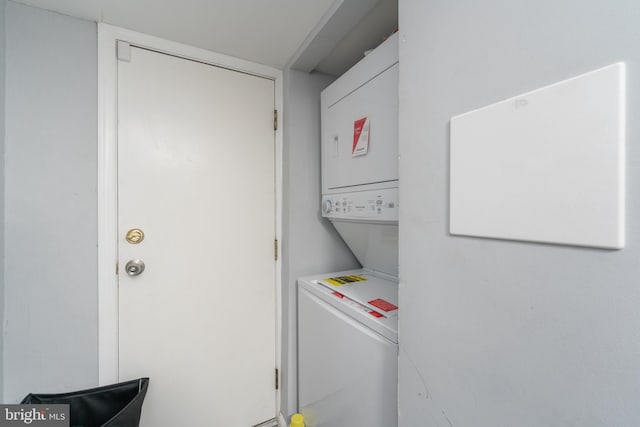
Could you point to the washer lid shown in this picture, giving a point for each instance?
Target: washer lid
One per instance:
(372, 301)
(377, 294)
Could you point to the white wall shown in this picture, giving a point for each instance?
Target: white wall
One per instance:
(2, 111)
(311, 244)
(50, 273)
(500, 333)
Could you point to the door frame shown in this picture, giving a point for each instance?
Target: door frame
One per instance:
(108, 35)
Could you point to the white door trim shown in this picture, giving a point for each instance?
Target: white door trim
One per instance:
(108, 36)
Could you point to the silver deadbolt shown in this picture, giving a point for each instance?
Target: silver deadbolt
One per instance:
(134, 267)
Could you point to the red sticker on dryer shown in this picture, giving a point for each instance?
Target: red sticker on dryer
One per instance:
(383, 305)
(360, 137)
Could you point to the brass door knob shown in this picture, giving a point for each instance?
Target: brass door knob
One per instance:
(135, 236)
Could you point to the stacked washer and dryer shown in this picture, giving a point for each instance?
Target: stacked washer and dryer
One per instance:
(348, 320)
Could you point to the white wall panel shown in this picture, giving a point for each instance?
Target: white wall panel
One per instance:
(546, 166)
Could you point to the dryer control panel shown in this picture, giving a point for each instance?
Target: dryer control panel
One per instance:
(376, 205)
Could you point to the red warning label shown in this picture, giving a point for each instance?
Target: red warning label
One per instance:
(383, 305)
(375, 314)
(337, 294)
(360, 137)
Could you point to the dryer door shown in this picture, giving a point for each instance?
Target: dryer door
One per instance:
(345, 134)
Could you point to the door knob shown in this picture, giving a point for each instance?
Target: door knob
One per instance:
(134, 267)
(134, 236)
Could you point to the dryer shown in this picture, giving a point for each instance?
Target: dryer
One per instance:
(360, 158)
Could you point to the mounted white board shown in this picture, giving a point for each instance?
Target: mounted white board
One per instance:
(545, 166)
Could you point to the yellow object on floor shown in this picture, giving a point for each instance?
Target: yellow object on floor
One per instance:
(297, 420)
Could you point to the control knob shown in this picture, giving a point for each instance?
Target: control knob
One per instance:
(326, 206)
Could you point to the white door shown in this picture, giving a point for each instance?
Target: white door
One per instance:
(196, 175)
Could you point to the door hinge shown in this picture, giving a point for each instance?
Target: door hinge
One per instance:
(277, 378)
(275, 249)
(275, 119)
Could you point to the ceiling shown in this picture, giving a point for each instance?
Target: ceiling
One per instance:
(343, 36)
(267, 32)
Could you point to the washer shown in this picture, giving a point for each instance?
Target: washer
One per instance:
(348, 349)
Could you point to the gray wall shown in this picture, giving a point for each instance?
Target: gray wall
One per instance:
(2, 104)
(311, 244)
(51, 236)
(500, 333)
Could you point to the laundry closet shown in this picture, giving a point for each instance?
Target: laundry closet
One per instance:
(340, 258)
